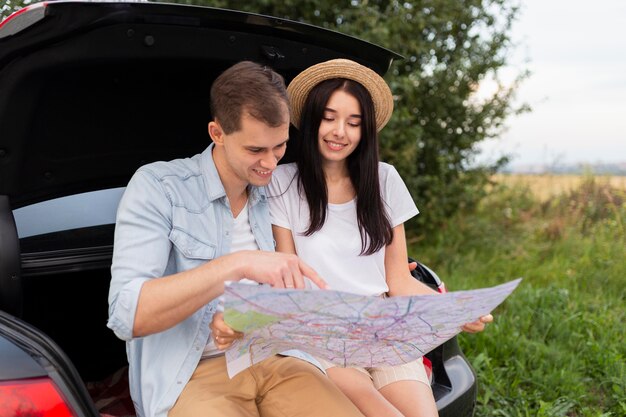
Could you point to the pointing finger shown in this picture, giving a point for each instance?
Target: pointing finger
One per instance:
(310, 273)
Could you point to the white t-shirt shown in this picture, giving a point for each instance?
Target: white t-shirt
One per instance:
(334, 250)
(243, 239)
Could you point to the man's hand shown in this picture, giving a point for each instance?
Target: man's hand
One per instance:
(280, 270)
(478, 325)
(222, 334)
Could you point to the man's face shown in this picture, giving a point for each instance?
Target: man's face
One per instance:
(250, 155)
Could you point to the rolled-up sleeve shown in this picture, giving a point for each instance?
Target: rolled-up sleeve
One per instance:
(141, 248)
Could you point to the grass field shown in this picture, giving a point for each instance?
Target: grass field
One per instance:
(558, 344)
(545, 186)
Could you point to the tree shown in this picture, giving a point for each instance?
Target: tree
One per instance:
(449, 47)
(9, 6)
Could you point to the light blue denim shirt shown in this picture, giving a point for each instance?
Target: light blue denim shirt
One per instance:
(174, 216)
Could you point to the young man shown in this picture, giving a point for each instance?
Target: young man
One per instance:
(186, 226)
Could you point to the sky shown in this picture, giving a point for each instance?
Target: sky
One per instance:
(576, 52)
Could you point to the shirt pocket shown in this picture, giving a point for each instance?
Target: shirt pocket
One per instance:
(191, 247)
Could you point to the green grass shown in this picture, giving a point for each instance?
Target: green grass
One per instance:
(558, 343)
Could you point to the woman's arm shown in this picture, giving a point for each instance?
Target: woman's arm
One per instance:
(284, 240)
(401, 282)
(399, 278)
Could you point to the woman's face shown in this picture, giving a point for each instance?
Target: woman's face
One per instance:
(340, 129)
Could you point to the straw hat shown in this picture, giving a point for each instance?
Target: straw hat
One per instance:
(301, 86)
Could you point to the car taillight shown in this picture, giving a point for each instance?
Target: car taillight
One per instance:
(32, 397)
(21, 19)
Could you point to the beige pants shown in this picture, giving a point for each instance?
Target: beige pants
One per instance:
(277, 387)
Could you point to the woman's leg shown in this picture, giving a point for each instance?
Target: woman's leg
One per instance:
(412, 398)
(407, 387)
(357, 385)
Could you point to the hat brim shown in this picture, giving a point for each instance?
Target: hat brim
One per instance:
(300, 87)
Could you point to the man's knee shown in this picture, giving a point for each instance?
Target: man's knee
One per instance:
(279, 370)
(298, 388)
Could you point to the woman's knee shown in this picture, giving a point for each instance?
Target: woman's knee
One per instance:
(352, 382)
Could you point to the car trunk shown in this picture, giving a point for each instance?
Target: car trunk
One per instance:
(94, 90)
(88, 93)
(65, 289)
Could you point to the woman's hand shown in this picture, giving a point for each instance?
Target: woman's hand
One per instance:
(222, 334)
(478, 325)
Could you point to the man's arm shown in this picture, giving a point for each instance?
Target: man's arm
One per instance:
(166, 302)
(141, 300)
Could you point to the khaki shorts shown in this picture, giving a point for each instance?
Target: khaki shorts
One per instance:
(385, 375)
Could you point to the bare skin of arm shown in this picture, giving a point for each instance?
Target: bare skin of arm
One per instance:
(167, 301)
(402, 283)
(284, 240)
(399, 279)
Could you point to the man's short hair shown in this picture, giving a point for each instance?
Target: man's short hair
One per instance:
(252, 88)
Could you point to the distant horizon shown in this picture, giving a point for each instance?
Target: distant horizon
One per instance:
(557, 162)
(598, 168)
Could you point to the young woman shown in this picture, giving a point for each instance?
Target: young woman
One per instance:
(345, 216)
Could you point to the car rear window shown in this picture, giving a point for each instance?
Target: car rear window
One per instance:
(77, 211)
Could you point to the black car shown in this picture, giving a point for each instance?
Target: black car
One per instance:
(89, 92)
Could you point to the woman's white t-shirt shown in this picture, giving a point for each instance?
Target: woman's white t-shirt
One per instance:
(334, 250)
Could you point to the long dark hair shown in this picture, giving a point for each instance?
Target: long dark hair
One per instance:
(374, 225)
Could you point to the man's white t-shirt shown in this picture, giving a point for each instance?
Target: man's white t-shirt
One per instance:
(243, 239)
(334, 250)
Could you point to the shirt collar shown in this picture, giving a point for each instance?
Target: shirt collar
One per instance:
(214, 186)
